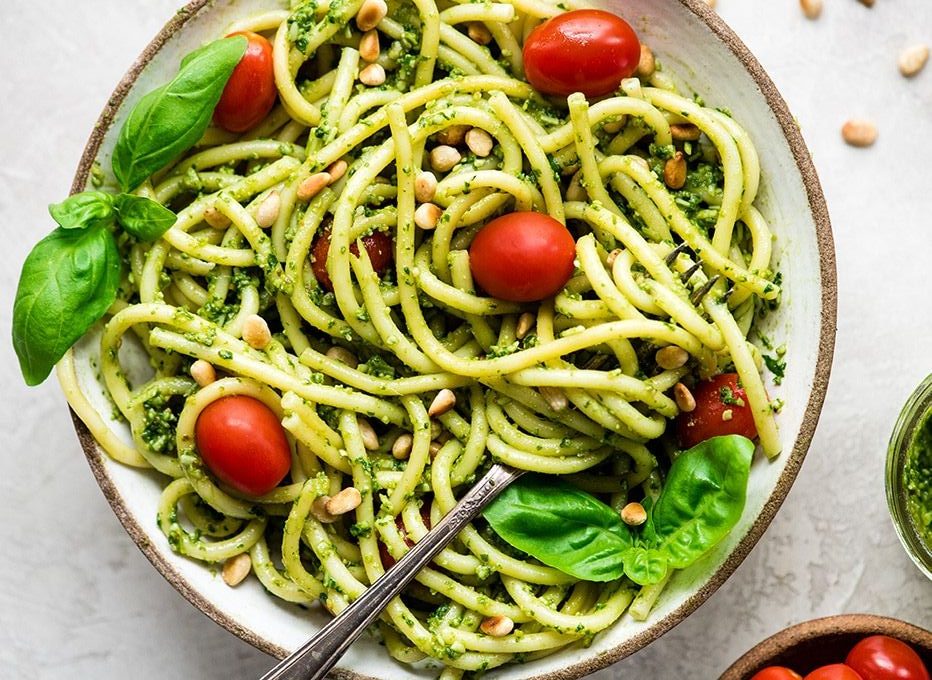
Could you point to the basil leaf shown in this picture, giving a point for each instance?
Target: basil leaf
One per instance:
(83, 210)
(645, 566)
(561, 526)
(68, 282)
(144, 218)
(169, 120)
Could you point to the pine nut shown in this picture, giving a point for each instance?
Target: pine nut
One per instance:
(613, 126)
(525, 323)
(452, 135)
(479, 33)
(443, 402)
(203, 372)
(684, 399)
(425, 186)
(336, 170)
(401, 449)
(373, 75)
(671, 357)
(554, 398)
(256, 332)
(575, 190)
(674, 171)
(867, 3)
(497, 626)
(684, 132)
(913, 59)
(216, 219)
(320, 512)
(369, 438)
(370, 14)
(859, 132)
(427, 215)
(345, 501)
(612, 256)
(444, 157)
(435, 449)
(479, 142)
(811, 8)
(268, 210)
(369, 48)
(313, 185)
(343, 355)
(633, 514)
(236, 569)
(647, 64)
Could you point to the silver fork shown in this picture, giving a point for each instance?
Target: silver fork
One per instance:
(318, 655)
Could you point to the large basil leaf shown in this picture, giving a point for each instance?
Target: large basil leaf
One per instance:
(68, 281)
(144, 218)
(169, 120)
(561, 526)
(82, 210)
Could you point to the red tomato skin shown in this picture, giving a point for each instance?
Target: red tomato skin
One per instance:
(585, 50)
(776, 673)
(880, 657)
(706, 421)
(250, 93)
(835, 671)
(522, 257)
(379, 247)
(242, 442)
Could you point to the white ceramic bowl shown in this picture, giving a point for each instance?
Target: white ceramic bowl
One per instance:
(700, 50)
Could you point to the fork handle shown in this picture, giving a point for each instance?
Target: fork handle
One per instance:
(318, 655)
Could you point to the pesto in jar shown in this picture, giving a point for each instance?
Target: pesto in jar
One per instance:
(917, 477)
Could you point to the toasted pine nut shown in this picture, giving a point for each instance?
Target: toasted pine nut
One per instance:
(612, 256)
(811, 8)
(684, 399)
(913, 59)
(444, 157)
(497, 626)
(685, 132)
(671, 357)
(452, 135)
(443, 402)
(427, 215)
(479, 142)
(728, 414)
(369, 48)
(401, 449)
(554, 397)
(369, 438)
(479, 33)
(343, 355)
(345, 501)
(525, 323)
(633, 514)
(256, 332)
(370, 14)
(312, 186)
(373, 75)
(647, 64)
(867, 3)
(613, 126)
(268, 210)
(320, 512)
(575, 190)
(674, 171)
(236, 569)
(216, 219)
(425, 186)
(336, 170)
(859, 132)
(203, 372)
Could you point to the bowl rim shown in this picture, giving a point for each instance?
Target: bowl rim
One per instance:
(828, 314)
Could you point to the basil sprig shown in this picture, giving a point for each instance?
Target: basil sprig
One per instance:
(72, 276)
(573, 531)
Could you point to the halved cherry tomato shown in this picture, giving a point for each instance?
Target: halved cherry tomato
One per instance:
(522, 257)
(250, 92)
(713, 398)
(836, 671)
(776, 673)
(378, 246)
(880, 657)
(243, 444)
(586, 50)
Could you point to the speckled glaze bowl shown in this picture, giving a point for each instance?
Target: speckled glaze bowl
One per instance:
(699, 49)
(806, 646)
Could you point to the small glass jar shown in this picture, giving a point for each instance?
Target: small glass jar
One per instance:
(905, 431)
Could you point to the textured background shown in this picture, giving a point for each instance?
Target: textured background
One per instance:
(78, 600)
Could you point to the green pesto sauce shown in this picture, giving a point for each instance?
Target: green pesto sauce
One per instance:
(917, 474)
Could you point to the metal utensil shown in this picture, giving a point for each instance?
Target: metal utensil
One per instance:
(318, 655)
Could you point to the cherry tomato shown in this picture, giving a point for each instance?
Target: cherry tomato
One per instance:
(243, 444)
(776, 673)
(885, 658)
(713, 398)
(522, 256)
(586, 50)
(836, 671)
(378, 246)
(250, 92)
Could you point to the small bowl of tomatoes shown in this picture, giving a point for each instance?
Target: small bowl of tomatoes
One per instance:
(844, 647)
